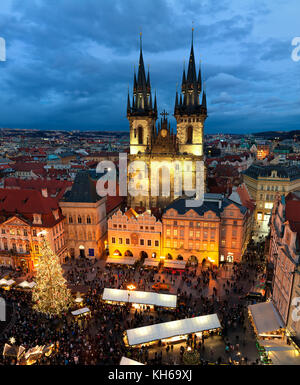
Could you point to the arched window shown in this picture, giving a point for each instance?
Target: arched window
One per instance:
(140, 135)
(70, 219)
(189, 139)
(79, 219)
(88, 219)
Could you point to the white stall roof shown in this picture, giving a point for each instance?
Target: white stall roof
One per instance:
(121, 261)
(81, 311)
(4, 282)
(171, 329)
(174, 264)
(265, 317)
(129, 361)
(26, 284)
(140, 297)
(151, 262)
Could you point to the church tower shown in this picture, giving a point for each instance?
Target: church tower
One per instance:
(160, 155)
(141, 113)
(189, 113)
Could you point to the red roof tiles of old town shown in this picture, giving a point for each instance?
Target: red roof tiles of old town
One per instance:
(25, 203)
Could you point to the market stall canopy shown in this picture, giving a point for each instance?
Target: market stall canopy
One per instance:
(81, 311)
(121, 261)
(280, 353)
(140, 297)
(174, 264)
(171, 329)
(265, 317)
(4, 282)
(26, 285)
(151, 262)
(13, 350)
(128, 361)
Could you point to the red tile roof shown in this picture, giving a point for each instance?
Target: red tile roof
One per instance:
(55, 188)
(25, 203)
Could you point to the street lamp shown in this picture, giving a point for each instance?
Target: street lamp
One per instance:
(130, 288)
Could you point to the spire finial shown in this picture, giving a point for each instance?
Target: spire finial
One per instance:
(140, 40)
(192, 32)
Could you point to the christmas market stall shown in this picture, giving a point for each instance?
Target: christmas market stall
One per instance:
(13, 351)
(7, 284)
(174, 264)
(278, 352)
(172, 332)
(138, 298)
(150, 262)
(81, 312)
(120, 261)
(26, 285)
(129, 361)
(266, 321)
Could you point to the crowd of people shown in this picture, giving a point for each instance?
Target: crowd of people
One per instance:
(97, 338)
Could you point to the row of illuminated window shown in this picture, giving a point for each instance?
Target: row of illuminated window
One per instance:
(191, 245)
(196, 245)
(197, 234)
(192, 234)
(115, 226)
(142, 242)
(272, 188)
(191, 223)
(267, 197)
(21, 248)
(24, 232)
(267, 205)
(79, 219)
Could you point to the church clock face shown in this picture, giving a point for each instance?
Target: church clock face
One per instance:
(163, 132)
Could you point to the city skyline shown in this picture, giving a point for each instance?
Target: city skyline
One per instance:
(250, 78)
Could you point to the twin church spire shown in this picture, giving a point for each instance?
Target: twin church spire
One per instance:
(188, 103)
(191, 87)
(142, 96)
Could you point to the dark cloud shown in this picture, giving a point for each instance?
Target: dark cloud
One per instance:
(69, 63)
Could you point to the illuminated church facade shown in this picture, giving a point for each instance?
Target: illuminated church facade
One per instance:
(151, 142)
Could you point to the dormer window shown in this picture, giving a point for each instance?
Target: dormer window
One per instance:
(37, 218)
(55, 214)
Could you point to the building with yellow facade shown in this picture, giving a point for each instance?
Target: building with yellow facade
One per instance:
(264, 183)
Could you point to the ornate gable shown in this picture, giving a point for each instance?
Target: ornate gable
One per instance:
(15, 221)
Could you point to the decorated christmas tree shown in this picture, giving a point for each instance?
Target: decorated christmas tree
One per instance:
(50, 294)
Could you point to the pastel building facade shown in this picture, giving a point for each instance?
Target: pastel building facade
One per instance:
(284, 254)
(134, 235)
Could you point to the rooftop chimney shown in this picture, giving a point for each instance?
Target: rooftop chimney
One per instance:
(45, 192)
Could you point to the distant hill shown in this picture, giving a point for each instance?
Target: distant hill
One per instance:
(278, 134)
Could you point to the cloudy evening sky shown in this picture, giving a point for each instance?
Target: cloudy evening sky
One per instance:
(69, 62)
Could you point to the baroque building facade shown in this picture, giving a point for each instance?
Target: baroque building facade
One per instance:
(24, 214)
(164, 154)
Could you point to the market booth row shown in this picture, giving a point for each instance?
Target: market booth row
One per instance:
(269, 330)
(138, 298)
(174, 331)
(120, 261)
(266, 321)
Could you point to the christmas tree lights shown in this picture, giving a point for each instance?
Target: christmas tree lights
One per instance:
(50, 295)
